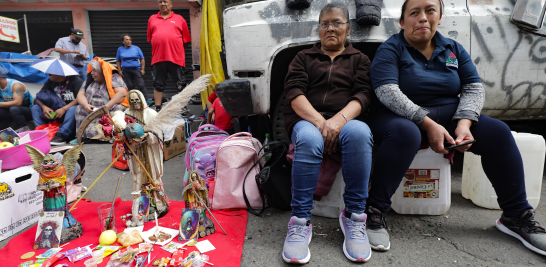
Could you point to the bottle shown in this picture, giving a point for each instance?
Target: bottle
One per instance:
(267, 152)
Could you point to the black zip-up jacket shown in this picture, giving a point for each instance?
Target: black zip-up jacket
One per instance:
(329, 85)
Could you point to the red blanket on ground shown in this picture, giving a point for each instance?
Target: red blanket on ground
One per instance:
(229, 248)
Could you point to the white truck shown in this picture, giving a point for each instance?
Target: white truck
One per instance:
(262, 37)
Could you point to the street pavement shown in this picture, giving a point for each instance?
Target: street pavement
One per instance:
(464, 236)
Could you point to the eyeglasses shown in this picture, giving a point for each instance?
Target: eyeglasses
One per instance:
(335, 25)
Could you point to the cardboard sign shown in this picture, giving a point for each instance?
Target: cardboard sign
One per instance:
(9, 30)
(20, 202)
(177, 145)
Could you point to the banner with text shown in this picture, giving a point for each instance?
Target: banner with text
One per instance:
(9, 30)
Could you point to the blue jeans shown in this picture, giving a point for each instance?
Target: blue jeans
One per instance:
(82, 72)
(68, 121)
(355, 143)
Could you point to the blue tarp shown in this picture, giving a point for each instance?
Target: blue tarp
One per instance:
(22, 71)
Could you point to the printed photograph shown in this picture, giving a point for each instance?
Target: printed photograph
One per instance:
(189, 224)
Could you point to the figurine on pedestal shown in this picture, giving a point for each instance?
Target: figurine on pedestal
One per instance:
(147, 148)
(52, 180)
(196, 197)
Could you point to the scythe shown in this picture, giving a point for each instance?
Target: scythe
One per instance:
(90, 118)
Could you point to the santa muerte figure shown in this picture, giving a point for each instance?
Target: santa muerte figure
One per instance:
(147, 148)
(142, 131)
(53, 174)
(196, 197)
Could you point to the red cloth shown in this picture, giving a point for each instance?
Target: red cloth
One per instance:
(221, 118)
(228, 252)
(168, 37)
(52, 128)
(212, 97)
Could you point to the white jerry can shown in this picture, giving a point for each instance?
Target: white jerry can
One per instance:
(426, 187)
(331, 205)
(476, 186)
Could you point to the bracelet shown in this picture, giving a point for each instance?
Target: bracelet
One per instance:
(344, 117)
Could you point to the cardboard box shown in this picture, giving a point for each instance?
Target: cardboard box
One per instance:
(175, 146)
(20, 202)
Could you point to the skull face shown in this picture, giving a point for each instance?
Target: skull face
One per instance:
(135, 101)
(49, 159)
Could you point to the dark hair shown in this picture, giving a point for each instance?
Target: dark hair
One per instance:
(406, 4)
(123, 36)
(330, 6)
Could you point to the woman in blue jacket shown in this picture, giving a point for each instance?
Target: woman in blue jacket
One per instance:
(130, 62)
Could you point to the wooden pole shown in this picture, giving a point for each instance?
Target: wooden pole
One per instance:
(100, 176)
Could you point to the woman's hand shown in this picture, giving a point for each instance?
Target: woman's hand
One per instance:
(436, 135)
(142, 72)
(463, 134)
(89, 108)
(330, 132)
(120, 72)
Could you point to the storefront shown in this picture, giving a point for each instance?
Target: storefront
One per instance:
(102, 22)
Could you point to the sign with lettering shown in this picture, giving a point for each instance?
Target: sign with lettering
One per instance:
(9, 30)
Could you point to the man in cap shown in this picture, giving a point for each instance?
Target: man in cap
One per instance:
(15, 102)
(73, 51)
(168, 32)
(56, 101)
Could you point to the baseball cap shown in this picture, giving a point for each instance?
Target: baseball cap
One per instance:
(78, 33)
(3, 72)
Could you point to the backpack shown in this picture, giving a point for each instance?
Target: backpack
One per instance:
(235, 160)
(201, 150)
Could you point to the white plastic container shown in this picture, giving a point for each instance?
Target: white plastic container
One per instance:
(426, 187)
(476, 186)
(332, 205)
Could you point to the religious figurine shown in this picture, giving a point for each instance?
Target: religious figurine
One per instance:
(147, 147)
(52, 180)
(142, 132)
(196, 197)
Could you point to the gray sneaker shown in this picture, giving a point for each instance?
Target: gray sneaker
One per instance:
(377, 229)
(296, 244)
(356, 245)
(526, 229)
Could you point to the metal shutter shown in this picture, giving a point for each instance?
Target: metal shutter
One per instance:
(107, 26)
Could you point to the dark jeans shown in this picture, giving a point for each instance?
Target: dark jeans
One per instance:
(17, 114)
(399, 140)
(133, 79)
(160, 71)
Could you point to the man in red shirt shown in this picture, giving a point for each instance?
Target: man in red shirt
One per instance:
(168, 32)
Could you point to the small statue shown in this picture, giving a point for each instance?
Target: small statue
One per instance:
(52, 180)
(196, 197)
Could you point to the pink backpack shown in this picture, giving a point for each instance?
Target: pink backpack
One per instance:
(202, 148)
(236, 159)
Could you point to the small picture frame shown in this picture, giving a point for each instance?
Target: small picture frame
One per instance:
(48, 233)
(144, 206)
(189, 225)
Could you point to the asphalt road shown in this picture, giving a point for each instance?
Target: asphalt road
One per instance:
(464, 236)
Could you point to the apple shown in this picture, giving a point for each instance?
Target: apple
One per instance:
(5, 145)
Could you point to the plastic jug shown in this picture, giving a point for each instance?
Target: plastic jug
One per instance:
(426, 187)
(332, 205)
(476, 186)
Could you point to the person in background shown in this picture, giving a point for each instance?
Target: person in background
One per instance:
(130, 62)
(168, 32)
(104, 86)
(73, 51)
(217, 114)
(15, 102)
(58, 96)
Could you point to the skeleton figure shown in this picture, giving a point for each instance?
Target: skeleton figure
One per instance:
(148, 150)
(52, 180)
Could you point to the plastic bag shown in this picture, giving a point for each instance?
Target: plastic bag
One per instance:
(51, 127)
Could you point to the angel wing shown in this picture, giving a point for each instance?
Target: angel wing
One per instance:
(70, 158)
(36, 156)
(171, 111)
